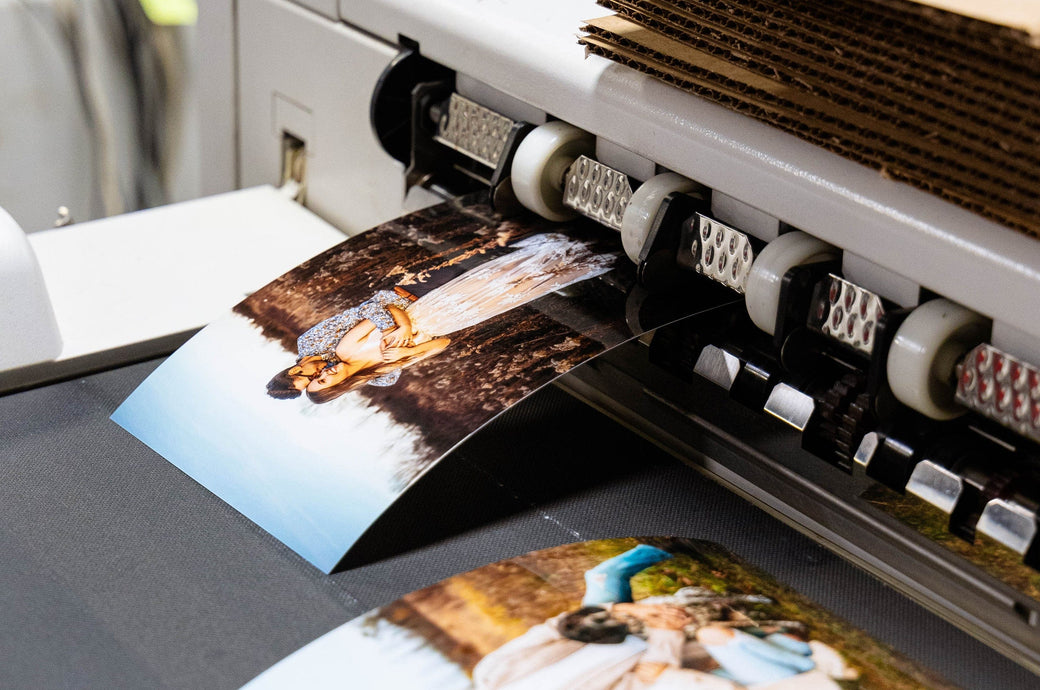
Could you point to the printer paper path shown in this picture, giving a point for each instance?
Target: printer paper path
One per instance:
(493, 310)
(669, 613)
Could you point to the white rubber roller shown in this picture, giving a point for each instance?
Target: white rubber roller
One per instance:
(925, 352)
(540, 164)
(762, 293)
(643, 206)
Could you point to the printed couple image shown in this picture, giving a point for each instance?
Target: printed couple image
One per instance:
(322, 396)
(371, 343)
(618, 614)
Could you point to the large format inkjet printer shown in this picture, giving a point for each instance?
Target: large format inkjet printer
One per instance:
(861, 340)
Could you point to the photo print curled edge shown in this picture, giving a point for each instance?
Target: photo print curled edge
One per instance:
(323, 396)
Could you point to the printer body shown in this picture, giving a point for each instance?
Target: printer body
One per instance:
(805, 410)
(860, 342)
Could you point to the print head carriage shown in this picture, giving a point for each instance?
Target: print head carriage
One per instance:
(371, 343)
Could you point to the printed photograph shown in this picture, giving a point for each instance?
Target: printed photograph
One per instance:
(984, 552)
(315, 403)
(617, 614)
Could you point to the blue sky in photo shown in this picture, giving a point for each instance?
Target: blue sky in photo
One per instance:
(313, 476)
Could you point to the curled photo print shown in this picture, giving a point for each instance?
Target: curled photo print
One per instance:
(323, 396)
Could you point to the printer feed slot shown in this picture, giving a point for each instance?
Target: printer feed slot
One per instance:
(293, 177)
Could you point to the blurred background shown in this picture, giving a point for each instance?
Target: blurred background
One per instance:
(99, 108)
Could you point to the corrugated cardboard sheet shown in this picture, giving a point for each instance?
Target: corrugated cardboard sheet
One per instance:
(943, 102)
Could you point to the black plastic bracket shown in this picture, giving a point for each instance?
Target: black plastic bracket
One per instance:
(657, 266)
(796, 291)
(390, 112)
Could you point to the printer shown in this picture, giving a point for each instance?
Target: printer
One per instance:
(875, 333)
(865, 336)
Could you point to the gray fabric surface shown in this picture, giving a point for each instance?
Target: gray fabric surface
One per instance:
(116, 570)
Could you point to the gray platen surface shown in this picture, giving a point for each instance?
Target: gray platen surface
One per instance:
(116, 570)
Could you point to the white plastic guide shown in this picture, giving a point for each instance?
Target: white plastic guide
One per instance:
(133, 286)
(28, 331)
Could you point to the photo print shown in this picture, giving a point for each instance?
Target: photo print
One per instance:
(982, 551)
(617, 614)
(315, 403)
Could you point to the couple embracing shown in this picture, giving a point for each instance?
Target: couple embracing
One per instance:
(371, 343)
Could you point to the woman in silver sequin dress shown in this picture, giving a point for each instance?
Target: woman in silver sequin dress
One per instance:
(347, 343)
(375, 348)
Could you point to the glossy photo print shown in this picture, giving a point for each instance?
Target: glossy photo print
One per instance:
(617, 614)
(325, 394)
